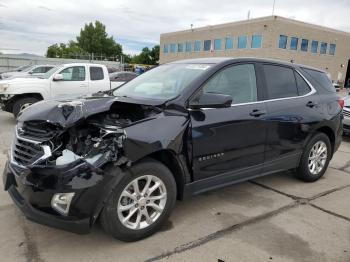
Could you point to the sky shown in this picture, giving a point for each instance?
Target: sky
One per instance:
(30, 26)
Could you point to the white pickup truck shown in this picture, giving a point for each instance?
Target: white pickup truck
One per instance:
(63, 81)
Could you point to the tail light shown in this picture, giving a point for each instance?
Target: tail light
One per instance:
(341, 103)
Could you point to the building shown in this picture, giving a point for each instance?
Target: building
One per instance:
(267, 37)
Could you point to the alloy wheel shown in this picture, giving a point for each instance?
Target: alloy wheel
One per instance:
(142, 202)
(317, 157)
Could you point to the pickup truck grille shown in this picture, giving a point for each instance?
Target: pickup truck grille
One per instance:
(346, 113)
(37, 130)
(25, 152)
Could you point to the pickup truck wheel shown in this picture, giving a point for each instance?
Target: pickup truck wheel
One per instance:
(22, 104)
(315, 158)
(140, 203)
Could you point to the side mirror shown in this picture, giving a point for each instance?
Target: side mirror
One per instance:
(57, 77)
(211, 100)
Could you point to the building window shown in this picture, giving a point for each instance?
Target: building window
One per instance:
(180, 47)
(242, 42)
(283, 42)
(314, 47)
(165, 49)
(294, 43)
(217, 44)
(256, 41)
(228, 43)
(207, 45)
(304, 45)
(323, 48)
(197, 46)
(332, 49)
(172, 48)
(188, 46)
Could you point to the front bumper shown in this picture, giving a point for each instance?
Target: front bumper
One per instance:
(32, 191)
(5, 102)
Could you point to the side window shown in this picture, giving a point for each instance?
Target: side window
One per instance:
(303, 87)
(47, 68)
(280, 81)
(238, 81)
(96, 73)
(321, 78)
(75, 73)
(38, 70)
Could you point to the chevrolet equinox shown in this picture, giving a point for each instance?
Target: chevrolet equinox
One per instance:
(179, 129)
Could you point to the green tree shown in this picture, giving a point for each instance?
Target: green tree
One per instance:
(147, 56)
(94, 39)
(155, 55)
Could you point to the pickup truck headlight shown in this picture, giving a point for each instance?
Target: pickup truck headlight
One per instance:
(3, 87)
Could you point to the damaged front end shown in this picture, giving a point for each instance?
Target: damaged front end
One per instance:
(62, 168)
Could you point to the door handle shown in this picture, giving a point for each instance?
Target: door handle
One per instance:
(83, 85)
(257, 113)
(311, 104)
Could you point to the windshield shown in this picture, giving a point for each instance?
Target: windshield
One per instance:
(164, 82)
(51, 72)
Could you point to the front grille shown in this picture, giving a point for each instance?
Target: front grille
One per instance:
(38, 130)
(346, 113)
(25, 152)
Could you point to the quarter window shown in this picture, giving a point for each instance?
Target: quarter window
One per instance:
(238, 81)
(256, 41)
(197, 46)
(75, 73)
(323, 48)
(188, 46)
(280, 81)
(314, 47)
(217, 44)
(283, 42)
(228, 43)
(96, 73)
(294, 43)
(207, 45)
(242, 42)
(304, 45)
(332, 49)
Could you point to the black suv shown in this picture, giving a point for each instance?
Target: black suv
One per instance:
(180, 129)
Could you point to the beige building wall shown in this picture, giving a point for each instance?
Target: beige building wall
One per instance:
(270, 28)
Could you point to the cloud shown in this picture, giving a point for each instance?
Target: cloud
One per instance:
(31, 26)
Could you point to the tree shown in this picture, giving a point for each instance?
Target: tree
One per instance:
(155, 55)
(147, 56)
(94, 39)
(71, 50)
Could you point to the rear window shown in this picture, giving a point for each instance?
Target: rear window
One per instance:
(96, 73)
(321, 79)
(303, 87)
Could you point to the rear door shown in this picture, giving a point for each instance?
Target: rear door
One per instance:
(74, 83)
(99, 80)
(292, 107)
(229, 143)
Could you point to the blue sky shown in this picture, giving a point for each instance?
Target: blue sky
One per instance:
(31, 26)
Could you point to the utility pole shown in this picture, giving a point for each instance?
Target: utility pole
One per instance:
(273, 8)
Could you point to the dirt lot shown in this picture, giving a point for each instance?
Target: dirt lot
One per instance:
(275, 218)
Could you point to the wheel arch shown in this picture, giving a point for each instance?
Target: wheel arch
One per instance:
(330, 133)
(19, 96)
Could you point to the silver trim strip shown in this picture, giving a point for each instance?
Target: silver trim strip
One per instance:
(313, 91)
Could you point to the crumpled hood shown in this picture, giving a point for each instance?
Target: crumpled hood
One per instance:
(67, 112)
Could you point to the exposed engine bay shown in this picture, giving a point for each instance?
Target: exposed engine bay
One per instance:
(96, 139)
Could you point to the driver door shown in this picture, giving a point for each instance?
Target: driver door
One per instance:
(73, 84)
(229, 143)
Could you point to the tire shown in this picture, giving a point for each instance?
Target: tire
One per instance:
(112, 216)
(21, 102)
(305, 171)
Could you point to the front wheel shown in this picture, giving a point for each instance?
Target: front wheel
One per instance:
(23, 103)
(315, 158)
(141, 202)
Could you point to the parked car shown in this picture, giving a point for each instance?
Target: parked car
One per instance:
(346, 114)
(32, 71)
(180, 129)
(63, 81)
(122, 77)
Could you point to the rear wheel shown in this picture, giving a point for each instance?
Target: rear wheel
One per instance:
(23, 103)
(315, 159)
(141, 202)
